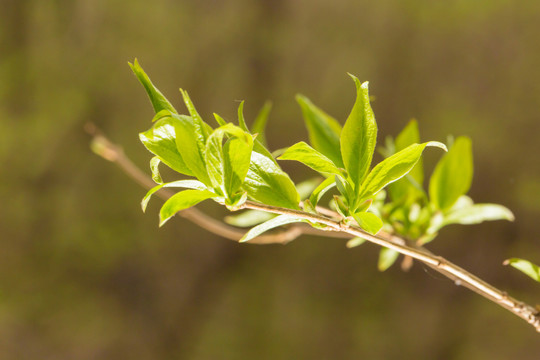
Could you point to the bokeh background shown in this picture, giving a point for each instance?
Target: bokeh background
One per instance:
(84, 274)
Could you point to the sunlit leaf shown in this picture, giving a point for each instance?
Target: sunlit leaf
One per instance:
(359, 136)
(477, 213)
(248, 218)
(393, 168)
(227, 165)
(369, 222)
(161, 141)
(387, 257)
(526, 267)
(154, 167)
(308, 156)
(323, 130)
(267, 183)
(159, 102)
(180, 201)
(354, 242)
(189, 184)
(320, 190)
(279, 220)
(453, 174)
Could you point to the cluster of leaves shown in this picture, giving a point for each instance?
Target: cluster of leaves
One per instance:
(231, 164)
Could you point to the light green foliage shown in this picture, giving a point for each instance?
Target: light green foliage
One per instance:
(269, 225)
(525, 266)
(452, 176)
(259, 125)
(387, 257)
(181, 201)
(307, 155)
(359, 136)
(323, 130)
(159, 102)
(232, 165)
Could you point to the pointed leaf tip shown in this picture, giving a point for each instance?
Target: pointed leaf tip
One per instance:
(438, 144)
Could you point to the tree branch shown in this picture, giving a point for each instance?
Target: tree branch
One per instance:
(335, 228)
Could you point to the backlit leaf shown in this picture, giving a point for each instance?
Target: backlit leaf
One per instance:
(159, 102)
(368, 222)
(323, 130)
(525, 266)
(180, 201)
(267, 183)
(307, 155)
(190, 184)
(279, 220)
(453, 174)
(359, 136)
(387, 257)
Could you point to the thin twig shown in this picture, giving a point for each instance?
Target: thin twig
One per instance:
(336, 228)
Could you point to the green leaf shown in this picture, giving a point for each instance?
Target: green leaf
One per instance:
(161, 141)
(259, 125)
(387, 257)
(308, 156)
(191, 145)
(393, 168)
(241, 119)
(368, 222)
(475, 214)
(268, 225)
(190, 184)
(453, 174)
(228, 165)
(249, 218)
(203, 130)
(267, 183)
(320, 190)
(409, 188)
(180, 201)
(159, 102)
(154, 167)
(359, 136)
(354, 242)
(220, 120)
(323, 130)
(525, 266)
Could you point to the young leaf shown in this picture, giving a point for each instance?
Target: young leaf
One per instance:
(409, 188)
(259, 125)
(202, 128)
(323, 130)
(525, 266)
(160, 140)
(359, 136)
(306, 187)
(227, 165)
(190, 143)
(268, 225)
(159, 102)
(180, 201)
(387, 257)
(249, 218)
(190, 184)
(475, 214)
(154, 167)
(320, 190)
(308, 156)
(393, 168)
(220, 120)
(241, 119)
(453, 174)
(368, 222)
(354, 242)
(267, 183)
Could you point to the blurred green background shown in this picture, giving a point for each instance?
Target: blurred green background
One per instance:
(84, 274)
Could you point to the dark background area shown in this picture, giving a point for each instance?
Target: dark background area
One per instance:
(84, 274)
